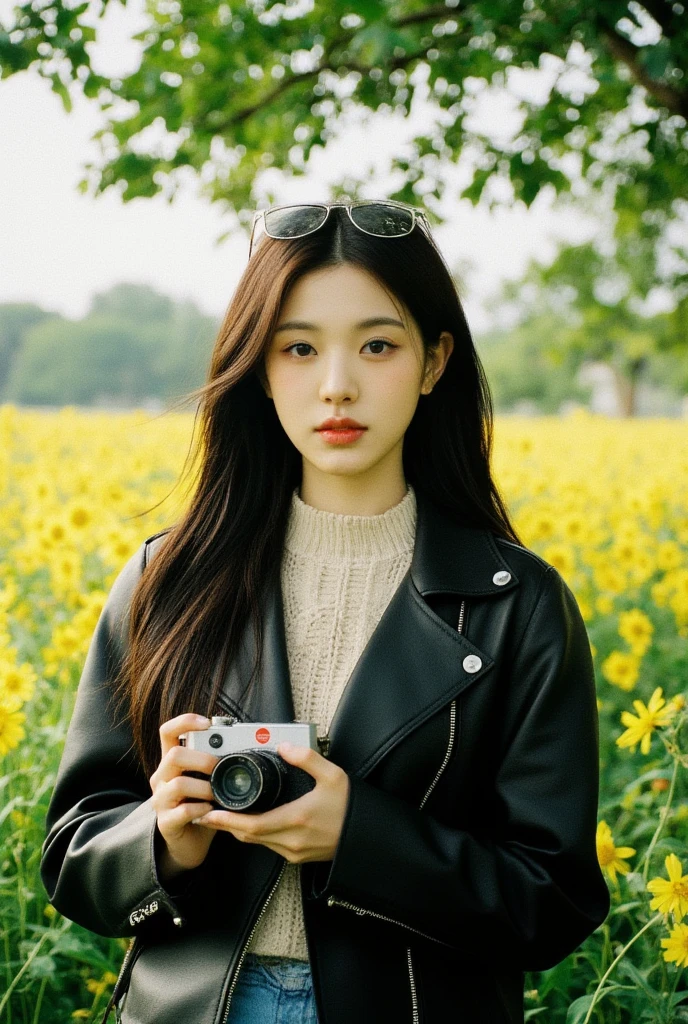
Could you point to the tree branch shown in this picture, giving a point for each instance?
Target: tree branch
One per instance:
(674, 99)
(287, 83)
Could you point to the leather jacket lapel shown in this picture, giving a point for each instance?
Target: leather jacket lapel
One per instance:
(411, 666)
(413, 663)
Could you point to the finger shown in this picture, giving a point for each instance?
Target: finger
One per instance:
(264, 823)
(179, 816)
(181, 787)
(179, 759)
(213, 819)
(310, 760)
(171, 730)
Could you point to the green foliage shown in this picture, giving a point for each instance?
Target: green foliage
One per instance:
(134, 344)
(246, 81)
(585, 307)
(16, 318)
(522, 366)
(242, 87)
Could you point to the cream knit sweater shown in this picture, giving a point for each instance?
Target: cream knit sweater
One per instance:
(338, 574)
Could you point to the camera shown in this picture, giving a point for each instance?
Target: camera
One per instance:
(250, 775)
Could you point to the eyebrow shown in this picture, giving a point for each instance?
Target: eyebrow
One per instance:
(373, 321)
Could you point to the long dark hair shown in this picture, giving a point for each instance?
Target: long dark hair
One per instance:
(207, 580)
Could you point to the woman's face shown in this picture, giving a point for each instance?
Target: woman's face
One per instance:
(332, 365)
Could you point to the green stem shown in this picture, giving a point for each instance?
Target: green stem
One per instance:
(677, 976)
(36, 1015)
(8, 972)
(30, 957)
(664, 814)
(653, 920)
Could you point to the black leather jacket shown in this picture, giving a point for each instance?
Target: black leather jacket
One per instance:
(469, 731)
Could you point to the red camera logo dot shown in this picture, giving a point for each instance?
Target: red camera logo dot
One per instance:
(262, 735)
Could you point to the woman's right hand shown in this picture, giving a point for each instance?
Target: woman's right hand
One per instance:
(186, 844)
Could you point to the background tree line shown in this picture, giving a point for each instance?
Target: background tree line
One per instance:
(224, 93)
(135, 345)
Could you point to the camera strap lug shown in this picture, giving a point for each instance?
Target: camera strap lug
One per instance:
(324, 744)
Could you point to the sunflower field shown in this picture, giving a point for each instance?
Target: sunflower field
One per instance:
(605, 501)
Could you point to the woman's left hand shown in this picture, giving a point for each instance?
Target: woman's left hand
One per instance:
(304, 829)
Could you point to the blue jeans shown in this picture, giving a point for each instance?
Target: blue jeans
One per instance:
(273, 990)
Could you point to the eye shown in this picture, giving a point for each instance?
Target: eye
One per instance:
(380, 341)
(374, 341)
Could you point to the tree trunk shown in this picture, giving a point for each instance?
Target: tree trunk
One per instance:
(624, 393)
(627, 387)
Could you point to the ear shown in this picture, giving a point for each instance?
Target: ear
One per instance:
(260, 374)
(436, 360)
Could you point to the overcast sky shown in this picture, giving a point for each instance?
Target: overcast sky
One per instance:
(59, 247)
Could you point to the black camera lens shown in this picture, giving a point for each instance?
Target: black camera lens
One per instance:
(237, 781)
(247, 780)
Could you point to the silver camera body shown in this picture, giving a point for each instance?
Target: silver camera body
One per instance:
(250, 775)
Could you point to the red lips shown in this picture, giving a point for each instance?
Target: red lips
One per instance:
(340, 424)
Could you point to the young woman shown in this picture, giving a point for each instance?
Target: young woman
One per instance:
(345, 561)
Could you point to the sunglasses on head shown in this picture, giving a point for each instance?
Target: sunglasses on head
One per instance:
(383, 218)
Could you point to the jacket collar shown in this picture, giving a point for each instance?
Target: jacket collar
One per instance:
(449, 558)
(413, 663)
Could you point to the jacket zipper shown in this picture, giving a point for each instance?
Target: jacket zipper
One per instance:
(115, 994)
(452, 728)
(333, 901)
(412, 980)
(248, 941)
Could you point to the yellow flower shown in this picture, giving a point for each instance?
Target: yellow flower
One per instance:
(676, 946)
(11, 731)
(80, 516)
(668, 555)
(561, 556)
(17, 680)
(621, 669)
(671, 895)
(641, 727)
(636, 628)
(98, 987)
(611, 857)
(610, 578)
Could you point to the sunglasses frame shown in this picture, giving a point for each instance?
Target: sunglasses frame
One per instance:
(419, 217)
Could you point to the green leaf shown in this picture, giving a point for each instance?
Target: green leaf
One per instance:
(579, 1007)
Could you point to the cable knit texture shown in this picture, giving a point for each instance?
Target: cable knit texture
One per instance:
(338, 573)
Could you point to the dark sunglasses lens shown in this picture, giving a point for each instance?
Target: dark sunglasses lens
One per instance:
(380, 219)
(294, 220)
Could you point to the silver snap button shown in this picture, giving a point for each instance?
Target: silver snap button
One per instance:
(472, 663)
(501, 577)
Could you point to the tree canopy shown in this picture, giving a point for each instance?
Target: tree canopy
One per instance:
(227, 90)
(224, 91)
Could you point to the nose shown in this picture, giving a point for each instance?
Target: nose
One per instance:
(338, 382)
